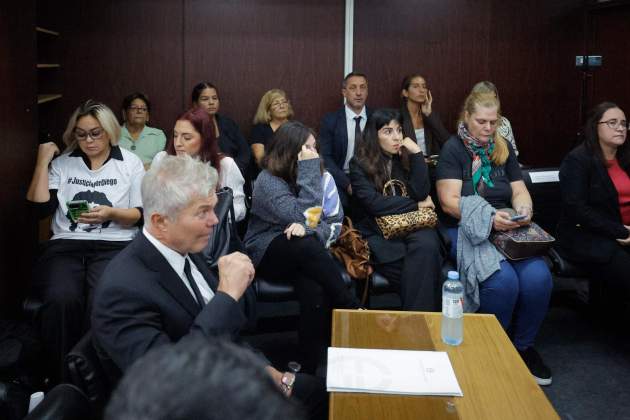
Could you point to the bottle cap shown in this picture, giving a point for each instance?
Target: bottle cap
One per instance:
(453, 275)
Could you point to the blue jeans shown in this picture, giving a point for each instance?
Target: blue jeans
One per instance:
(518, 294)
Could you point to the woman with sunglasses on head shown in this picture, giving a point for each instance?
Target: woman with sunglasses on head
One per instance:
(92, 191)
(594, 228)
(135, 135)
(205, 95)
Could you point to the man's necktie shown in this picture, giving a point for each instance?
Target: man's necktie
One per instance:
(193, 284)
(357, 129)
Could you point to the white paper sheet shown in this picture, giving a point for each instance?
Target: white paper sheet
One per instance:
(544, 176)
(404, 372)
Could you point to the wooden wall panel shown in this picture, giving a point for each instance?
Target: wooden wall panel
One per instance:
(249, 48)
(435, 38)
(114, 48)
(527, 48)
(18, 149)
(610, 39)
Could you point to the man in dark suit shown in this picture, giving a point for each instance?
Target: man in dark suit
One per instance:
(339, 131)
(156, 291)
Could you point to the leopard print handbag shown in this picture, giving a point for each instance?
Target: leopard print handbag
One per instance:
(399, 225)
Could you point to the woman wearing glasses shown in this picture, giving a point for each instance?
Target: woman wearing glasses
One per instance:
(135, 134)
(594, 229)
(273, 110)
(92, 191)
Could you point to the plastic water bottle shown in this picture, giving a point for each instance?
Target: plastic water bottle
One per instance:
(452, 310)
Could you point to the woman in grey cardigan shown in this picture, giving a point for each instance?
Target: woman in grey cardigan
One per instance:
(290, 227)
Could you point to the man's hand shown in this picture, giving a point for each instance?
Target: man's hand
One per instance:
(276, 376)
(236, 273)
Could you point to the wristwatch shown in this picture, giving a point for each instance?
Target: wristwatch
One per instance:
(288, 379)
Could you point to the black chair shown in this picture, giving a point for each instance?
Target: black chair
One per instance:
(87, 373)
(543, 185)
(63, 402)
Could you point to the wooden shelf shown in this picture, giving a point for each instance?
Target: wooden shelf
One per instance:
(46, 31)
(47, 97)
(48, 66)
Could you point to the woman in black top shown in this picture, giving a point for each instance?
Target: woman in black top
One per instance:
(231, 141)
(413, 262)
(594, 229)
(420, 123)
(273, 111)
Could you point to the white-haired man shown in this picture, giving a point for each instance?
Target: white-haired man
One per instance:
(157, 291)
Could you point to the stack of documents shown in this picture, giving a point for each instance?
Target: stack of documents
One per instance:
(405, 372)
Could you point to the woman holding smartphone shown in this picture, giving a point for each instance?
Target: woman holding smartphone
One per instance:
(478, 180)
(93, 173)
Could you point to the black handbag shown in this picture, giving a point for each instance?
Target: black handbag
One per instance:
(224, 238)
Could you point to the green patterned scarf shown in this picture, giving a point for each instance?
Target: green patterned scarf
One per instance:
(480, 153)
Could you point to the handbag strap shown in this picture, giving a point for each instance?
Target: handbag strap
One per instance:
(394, 183)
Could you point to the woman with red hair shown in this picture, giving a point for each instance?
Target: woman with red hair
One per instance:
(194, 135)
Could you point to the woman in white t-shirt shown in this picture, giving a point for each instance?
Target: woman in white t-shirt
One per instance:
(194, 135)
(92, 191)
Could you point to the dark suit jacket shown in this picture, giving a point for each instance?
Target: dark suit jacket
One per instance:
(590, 220)
(435, 135)
(372, 203)
(333, 143)
(141, 303)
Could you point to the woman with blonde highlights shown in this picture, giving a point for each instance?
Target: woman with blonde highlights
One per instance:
(273, 111)
(92, 191)
(481, 188)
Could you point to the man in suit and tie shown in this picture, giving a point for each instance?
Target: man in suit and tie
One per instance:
(340, 130)
(157, 291)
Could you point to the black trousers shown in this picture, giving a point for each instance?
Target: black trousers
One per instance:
(65, 277)
(318, 285)
(614, 277)
(417, 274)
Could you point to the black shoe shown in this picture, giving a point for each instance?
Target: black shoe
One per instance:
(536, 366)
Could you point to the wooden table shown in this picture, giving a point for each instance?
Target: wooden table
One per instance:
(494, 380)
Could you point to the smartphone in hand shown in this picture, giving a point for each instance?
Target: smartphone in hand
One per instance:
(76, 208)
(518, 218)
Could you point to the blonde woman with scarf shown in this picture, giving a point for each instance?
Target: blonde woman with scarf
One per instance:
(480, 162)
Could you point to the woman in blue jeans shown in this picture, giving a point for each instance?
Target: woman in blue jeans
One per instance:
(477, 176)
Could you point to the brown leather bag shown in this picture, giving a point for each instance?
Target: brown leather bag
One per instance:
(400, 225)
(354, 252)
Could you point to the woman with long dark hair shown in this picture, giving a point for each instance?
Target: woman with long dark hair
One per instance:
(194, 135)
(420, 122)
(413, 262)
(594, 229)
(205, 95)
(290, 229)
